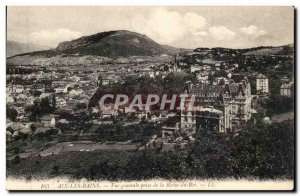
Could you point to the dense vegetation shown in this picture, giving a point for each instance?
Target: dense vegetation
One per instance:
(41, 108)
(276, 104)
(141, 132)
(259, 151)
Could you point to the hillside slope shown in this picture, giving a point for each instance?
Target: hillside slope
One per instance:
(112, 44)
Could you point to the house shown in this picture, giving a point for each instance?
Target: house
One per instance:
(39, 87)
(96, 122)
(262, 83)
(74, 93)
(195, 68)
(104, 81)
(74, 78)
(148, 72)
(218, 66)
(61, 102)
(18, 88)
(28, 87)
(286, 89)
(59, 89)
(285, 79)
(127, 110)
(63, 121)
(108, 113)
(163, 75)
(106, 122)
(111, 79)
(183, 64)
(221, 80)
(48, 120)
(14, 126)
(157, 72)
(22, 97)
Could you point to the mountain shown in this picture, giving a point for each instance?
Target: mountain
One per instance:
(124, 47)
(271, 50)
(14, 48)
(112, 44)
(101, 48)
(256, 51)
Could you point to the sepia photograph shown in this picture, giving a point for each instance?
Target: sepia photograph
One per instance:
(157, 98)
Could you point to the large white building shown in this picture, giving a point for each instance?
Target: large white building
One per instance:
(220, 107)
(262, 83)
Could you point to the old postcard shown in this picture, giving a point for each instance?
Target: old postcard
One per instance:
(150, 98)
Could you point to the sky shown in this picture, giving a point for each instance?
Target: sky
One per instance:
(184, 27)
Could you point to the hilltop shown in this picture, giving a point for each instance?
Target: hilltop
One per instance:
(113, 44)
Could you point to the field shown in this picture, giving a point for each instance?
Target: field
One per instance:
(69, 164)
(88, 146)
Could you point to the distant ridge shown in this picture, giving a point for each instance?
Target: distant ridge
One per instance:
(14, 48)
(260, 50)
(122, 46)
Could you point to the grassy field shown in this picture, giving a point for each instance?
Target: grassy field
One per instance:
(85, 147)
(70, 164)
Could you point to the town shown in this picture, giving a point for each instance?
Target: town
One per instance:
(53, 107)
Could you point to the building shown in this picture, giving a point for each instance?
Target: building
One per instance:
(220, 107)
(210, 118)
(188, 120)
(286, 89)
(111, 79)
(147, 72)
(195, 68)
(103, 81)
(262, 83)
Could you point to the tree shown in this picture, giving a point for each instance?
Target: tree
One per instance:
(266, 150)
(222, 82)
(11, 113)
(53, 102)
(151, 164)
(45, 106)
(33, 127)
(55, 170)
(16, 160)
(171, 121)
(166, 68)
(80, 106)
(211, 155)
(277, 104)
(37, 93)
